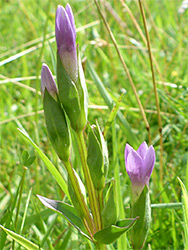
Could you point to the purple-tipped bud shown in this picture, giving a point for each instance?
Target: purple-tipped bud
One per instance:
(47, 82)
(139, 165)
(66, 40)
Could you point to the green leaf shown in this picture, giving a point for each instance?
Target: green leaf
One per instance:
(141, 208)
(67, 211)
(21, 240)
(110, 234)
(109, 213)
(48, 164)
(95, 160)
(29, 161)
(185, 211)
(25, 156)
(131, 137)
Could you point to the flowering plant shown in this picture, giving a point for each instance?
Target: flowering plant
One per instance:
(97, 217)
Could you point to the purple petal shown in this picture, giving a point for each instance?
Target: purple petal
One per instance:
(149, 162)
(71, 18)
(142, 150)
(128, 149)
(134, 167)
(47, 82)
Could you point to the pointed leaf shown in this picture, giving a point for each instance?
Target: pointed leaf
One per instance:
(110, 234)
(67, 211)
(48, 164)
(25, 156)
(95, 160)
(21, 240)
(141, 208)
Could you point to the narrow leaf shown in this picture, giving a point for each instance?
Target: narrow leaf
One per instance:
(48, 164)
(67, 211)
(21, 240)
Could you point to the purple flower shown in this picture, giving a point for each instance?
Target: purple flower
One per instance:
(139, 165)
(65, 31)
(47, 82)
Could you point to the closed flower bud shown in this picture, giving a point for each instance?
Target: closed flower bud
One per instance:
(66, 40)
(47, 82)
(70, 77)
(54, 115)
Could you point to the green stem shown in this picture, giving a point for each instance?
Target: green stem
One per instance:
(87, 220)
(94, 205)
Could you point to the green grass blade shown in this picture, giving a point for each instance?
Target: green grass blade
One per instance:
(48, 164)
(185, 211)
(25, 211)
(21, 240)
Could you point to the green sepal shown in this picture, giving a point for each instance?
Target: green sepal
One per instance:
(82, 89)
(104, 149)
(56, 126)
(109, 213)
(66, 211)
(73, 196)
(141, 208)
(95, 160)
(69, 97)
(109, 234)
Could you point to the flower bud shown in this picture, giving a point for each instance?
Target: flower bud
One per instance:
(66, 40)
(47, 82)
(54, 115)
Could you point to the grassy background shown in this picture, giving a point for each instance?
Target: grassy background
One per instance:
(26, 41)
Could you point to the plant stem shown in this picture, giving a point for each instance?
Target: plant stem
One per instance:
(87, 220)
(94, 205)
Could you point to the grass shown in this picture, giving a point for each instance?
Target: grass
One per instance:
(26, 41)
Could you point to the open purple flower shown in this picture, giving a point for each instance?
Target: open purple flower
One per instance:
(66, 40)
(139, 165)
(47, 82)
